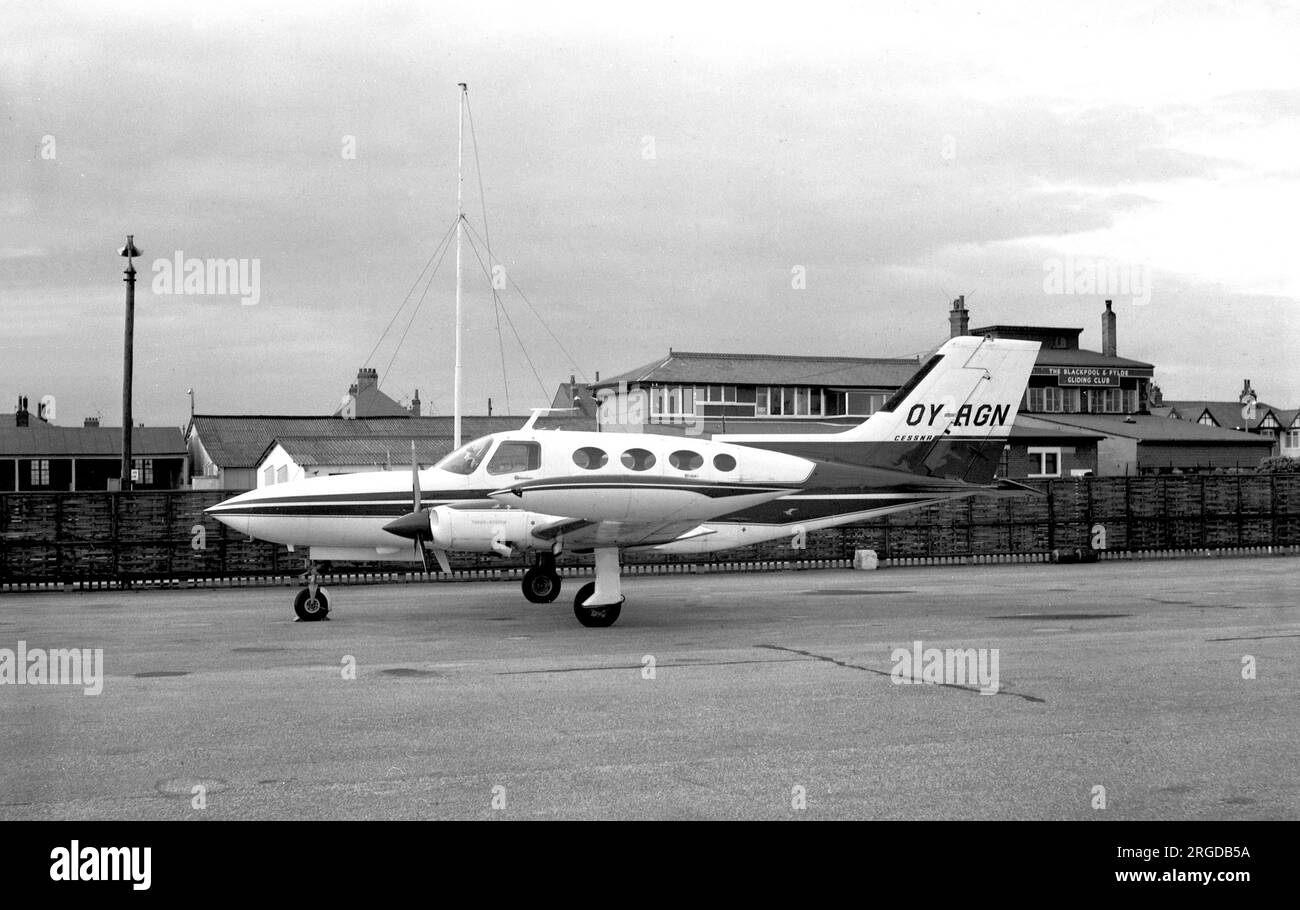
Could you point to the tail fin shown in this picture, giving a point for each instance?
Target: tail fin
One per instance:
(970, 389)
(950, 420)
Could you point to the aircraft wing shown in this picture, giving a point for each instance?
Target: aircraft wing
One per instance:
(580, 535)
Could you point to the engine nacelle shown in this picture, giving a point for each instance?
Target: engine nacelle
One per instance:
(485, 530)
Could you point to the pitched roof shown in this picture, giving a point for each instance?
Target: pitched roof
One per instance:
(771, 369)
(1025, 428)
(1226, 414)
(239, 441)
(361, 450)
(370, 402)
(1151, 429)
(1082, 357)
(61, 442)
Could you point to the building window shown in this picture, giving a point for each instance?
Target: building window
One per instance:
(269, 474)
(863, 404)
(1291, 439)
(145, 468)
(1047, 399)
(1044, 462)
(1207, 420)
(791, 401)
(41, 472)
(716, 394)
(671, 402)
(282, 473)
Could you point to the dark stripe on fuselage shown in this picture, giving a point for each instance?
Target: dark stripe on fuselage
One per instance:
(374, 496)
(702, 488)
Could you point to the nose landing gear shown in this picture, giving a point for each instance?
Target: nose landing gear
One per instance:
(312, 604)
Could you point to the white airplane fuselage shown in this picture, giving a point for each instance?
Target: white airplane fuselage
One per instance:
(505, 486)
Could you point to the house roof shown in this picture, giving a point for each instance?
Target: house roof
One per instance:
(1025, 428)
(62, 442)
(338, 451)
(1147, 428)
(239, 440)
(1082, 357)
(1226, 414)
(370, 402)
(770, 369)
(1007, 331)
(1288, 417)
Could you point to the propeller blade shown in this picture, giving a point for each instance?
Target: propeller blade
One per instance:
(424, 558)
(444, 564)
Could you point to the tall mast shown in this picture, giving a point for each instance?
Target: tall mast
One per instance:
(460, 218)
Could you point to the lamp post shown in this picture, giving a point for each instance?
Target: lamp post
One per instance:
(129, 251)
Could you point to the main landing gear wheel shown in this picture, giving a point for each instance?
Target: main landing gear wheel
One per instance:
(309, 608)
(541, 586)
(594, 617)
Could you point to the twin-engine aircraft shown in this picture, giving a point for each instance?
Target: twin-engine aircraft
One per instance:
(542, 492)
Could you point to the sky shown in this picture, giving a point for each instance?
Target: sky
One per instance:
(795, 178)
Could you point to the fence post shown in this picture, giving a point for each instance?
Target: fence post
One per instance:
(115, 501)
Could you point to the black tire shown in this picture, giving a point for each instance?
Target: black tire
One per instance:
(594, 617)
(311, 610)
(540, 586)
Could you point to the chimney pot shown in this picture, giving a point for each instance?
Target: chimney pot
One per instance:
(958, 318)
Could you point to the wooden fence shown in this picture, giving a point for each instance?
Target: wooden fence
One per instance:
(124, 537)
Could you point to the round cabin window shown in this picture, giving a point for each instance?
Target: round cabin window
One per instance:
(638, 460)
(590, 458)
(724, 462)
(685, 460)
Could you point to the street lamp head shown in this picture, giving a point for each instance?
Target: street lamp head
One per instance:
(130, 249)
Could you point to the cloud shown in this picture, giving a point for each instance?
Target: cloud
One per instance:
(652, 177)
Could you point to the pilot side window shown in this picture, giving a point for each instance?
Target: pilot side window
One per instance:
(467, 458)
(590, 458)
(515, 457)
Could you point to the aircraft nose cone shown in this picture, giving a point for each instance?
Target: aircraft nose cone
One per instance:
(412, 525)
